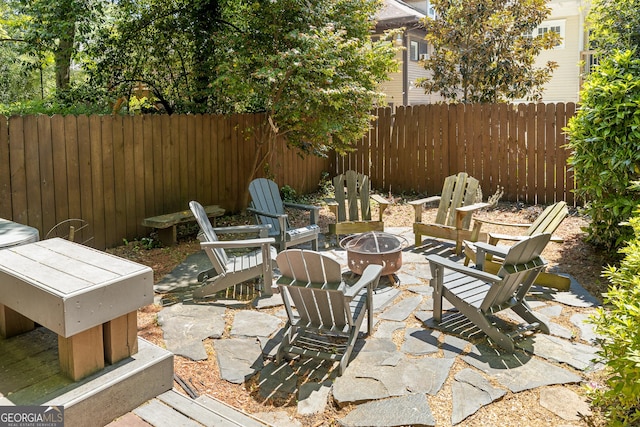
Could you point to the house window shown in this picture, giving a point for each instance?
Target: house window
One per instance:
(431, 11)
(555, 26)
(418, 50)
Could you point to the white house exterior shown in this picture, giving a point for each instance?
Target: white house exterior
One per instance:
(567, 17)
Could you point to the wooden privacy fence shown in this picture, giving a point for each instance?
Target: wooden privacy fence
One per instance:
(114, 171)
(517, 147)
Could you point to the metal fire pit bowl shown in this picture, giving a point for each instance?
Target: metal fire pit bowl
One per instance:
(374, 247)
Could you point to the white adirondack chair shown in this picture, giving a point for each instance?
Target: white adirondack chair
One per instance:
(228, 269)
(328, 313)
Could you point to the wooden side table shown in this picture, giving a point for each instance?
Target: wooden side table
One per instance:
(88, 297)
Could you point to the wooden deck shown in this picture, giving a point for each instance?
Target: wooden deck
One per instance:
(30, 375)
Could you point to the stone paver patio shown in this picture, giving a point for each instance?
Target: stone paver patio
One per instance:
(387, 382)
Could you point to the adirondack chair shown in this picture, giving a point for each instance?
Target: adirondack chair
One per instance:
(328, 313)
(229, 270)
(268, 207)
(547, 222)
(460, 198)
(351, 205)
(478, 294)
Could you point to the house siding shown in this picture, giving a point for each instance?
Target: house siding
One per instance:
(393, 87)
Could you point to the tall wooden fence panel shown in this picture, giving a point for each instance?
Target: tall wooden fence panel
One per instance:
(519, 148)
(114, 171)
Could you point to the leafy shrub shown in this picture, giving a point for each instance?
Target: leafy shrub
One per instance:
(605, 139)
(619, 323)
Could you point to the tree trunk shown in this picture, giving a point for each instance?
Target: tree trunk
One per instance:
(63, 54)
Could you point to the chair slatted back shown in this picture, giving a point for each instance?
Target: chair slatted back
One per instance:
(457, 191)
(352, 195)
(265, 196)
(549, 220)
(218, 257)
(313, 283)
(519, 269)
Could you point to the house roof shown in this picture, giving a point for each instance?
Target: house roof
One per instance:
(396, 14)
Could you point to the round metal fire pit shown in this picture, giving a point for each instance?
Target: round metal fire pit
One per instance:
(374, 247)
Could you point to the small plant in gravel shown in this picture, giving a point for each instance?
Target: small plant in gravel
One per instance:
(619, 322)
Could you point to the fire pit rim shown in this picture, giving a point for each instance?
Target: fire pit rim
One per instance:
(344, 243)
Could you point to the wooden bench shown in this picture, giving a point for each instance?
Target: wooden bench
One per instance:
(167, 224)
(88, 297)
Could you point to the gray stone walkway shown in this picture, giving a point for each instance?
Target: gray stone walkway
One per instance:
(407, 358)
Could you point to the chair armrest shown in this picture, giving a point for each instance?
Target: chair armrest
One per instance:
(370, 274)
(504, 224)
(250, 243)
(500, 251)
(379, 199)
(495, 237)
(263, 213)
(425, 200)
(473, 207)
(441, 262)
(261, 229)
(419, 204)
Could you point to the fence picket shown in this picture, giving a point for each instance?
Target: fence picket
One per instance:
(115, 171)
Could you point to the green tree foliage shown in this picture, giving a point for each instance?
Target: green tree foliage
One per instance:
(615, 24)
(310, 66)
(167, 47)
(484, 50)
(619, 323)
(604, 137)
(59, 27)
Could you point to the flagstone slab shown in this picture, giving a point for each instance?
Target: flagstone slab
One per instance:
(565, 403)
(470, 392)
(249, 323)
(419, 341)
(185, 326)
(453, 346)
(587, 330)
(386, 328)
(412, 410)
(518, 371)
(401, 310)
(313, 398)
(238, 358)
(577, 355)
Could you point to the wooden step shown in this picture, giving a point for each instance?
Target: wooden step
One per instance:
(175, 409)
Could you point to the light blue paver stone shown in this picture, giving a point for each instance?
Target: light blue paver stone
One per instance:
(386, 329)
(248, 323)
(587, 330)
(518, 371)
(402, 309)
(577, 355)
(470, 392)
(418, 341)
(185, 326)
(238, 358)
(410, 410)
(312, 398)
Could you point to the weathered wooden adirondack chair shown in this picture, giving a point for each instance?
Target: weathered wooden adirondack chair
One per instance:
(229, 270)
(351, 205)
(478, 294)
(268, 207)
(460, 197)
(328, 313)
(547, 222)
